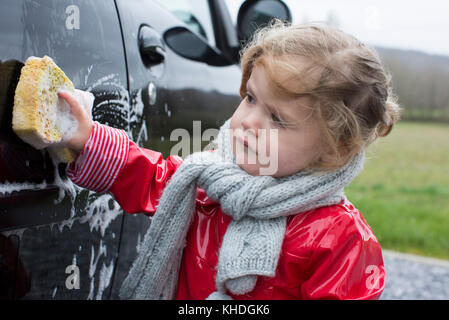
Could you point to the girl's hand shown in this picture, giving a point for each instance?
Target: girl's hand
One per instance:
(84, 118)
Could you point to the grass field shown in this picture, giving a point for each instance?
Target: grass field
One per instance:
(403, 193)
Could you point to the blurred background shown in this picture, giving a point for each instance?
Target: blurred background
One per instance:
(403, 192)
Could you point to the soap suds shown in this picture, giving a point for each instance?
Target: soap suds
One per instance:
(101, 209)
(105, 279)
(105, 272)
(9, 187)
(102, 250)
(99, 215)
(15, 232)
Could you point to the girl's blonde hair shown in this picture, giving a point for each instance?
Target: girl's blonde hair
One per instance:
(352, 93)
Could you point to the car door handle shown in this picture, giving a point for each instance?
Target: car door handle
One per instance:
(151, 47)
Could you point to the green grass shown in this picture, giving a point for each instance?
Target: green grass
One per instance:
(425, 115)
(403, 193)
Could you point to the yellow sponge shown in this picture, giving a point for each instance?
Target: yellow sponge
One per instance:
(35, 113)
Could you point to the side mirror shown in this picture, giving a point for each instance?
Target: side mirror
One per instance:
(254, 14)
(191, 46)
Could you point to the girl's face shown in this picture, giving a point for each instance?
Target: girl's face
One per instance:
(272, 135)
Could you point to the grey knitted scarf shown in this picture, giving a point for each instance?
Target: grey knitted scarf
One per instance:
(258, 205)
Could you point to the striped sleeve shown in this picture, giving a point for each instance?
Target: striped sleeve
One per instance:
(103, 156)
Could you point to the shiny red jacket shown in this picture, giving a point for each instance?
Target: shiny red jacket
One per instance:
(327, 253)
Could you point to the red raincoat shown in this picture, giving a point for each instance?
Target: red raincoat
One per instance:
(327, 253)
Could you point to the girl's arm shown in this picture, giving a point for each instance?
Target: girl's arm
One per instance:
(109, 162)
(346, 264)
(140, 183)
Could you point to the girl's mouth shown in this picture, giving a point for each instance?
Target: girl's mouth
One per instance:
(245, 143)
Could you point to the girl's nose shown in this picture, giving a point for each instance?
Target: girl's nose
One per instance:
(253, 121)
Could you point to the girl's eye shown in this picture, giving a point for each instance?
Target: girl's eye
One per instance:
(277, 121)
(250, 98)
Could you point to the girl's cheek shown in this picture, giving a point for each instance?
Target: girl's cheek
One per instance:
(235, 120)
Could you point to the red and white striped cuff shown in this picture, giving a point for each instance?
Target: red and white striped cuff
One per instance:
(103, 156)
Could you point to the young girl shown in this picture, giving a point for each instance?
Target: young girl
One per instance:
(223, 230)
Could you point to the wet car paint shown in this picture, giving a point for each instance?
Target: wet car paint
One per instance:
(50, 228)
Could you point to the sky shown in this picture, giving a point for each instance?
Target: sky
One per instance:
(414, 25)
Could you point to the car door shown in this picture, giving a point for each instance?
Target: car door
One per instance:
(58, 241)
(172, 89)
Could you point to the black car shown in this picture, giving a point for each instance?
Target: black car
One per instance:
(153, 66)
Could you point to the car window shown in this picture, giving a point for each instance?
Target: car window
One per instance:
(194, 13)
(82, 37)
